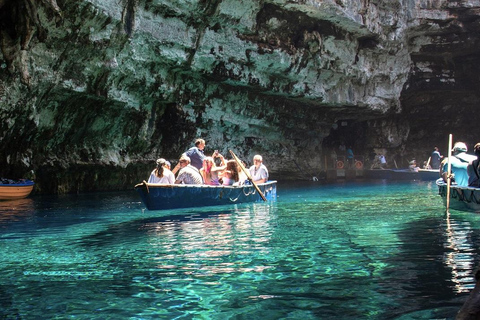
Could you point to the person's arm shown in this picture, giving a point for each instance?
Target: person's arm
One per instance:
(179, 178)
(177, 167)
(170, 177)
(220, 168)
(152, 177)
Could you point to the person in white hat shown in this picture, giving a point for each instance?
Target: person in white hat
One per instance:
(459, 162)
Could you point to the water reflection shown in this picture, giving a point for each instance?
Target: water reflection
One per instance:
(16, 210)
(461, 253)
(320, 252)
(211, 244)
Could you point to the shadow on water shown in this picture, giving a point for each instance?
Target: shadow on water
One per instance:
(437, 260)
(31, 215)
(7, 306)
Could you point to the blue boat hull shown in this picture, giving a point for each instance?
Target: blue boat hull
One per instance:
(461, 198)
(160, 197)
(402, 174)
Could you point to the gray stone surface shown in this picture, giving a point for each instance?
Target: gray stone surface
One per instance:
(92, 92)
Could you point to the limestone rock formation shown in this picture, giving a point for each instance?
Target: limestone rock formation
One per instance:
(93, 91)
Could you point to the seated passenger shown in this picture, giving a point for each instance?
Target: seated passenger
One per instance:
(230, 174)
(459, 162)
(242, 176)
(210, 172)
(413, 166)
(161, 174)
(473, 169)
(426, 165)
(258, 171)
(188, 174)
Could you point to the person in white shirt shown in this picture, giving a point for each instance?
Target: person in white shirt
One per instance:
(188, 174)
(258, 171)
(161, 174)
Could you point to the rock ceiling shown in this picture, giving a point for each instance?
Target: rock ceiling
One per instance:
(91, 92)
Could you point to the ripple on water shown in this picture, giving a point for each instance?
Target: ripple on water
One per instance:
(360, 251)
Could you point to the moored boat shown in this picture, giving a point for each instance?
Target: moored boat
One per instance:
(402, 174)
(15, 189)
(461, 198)
(173, 196)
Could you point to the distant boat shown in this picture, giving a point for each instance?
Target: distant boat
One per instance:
(402, 174)
(173, 196)
(461, 198)
(15, 189)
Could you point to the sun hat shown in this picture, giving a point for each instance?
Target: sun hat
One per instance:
(459, 147)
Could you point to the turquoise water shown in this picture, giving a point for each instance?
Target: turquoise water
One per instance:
(352, 250)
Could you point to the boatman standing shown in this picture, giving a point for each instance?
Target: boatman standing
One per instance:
(436, 158)
(258, 171)
(196, 154)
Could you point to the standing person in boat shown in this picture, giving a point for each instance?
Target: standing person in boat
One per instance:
(436, 158)
(459, 162)
(188, 174)
(258, 171)
(350, 156)
(196, 154)
(383, 161)
(230, 175)
(210, 172)
(161, 174)
(473, 169)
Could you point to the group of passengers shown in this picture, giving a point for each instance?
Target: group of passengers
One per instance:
(464, 167)
(195, 168)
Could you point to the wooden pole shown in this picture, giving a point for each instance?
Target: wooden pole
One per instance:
(248, 175)
(449, 170)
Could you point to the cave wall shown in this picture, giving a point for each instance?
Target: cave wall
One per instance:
(92, 92)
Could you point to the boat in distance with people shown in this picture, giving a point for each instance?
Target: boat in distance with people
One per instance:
(15, 189)
(174, 196)
(461, 198)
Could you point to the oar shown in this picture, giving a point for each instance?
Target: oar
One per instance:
(449, 170)
(428, 162)
(248, 175)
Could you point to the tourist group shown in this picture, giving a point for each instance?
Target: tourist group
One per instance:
(195, 168)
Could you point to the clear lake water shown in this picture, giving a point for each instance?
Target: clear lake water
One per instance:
(345, 250)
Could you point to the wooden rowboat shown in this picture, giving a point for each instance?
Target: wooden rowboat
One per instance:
(402, 174)
(172, 196)
(461, 198)
(10, 189)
